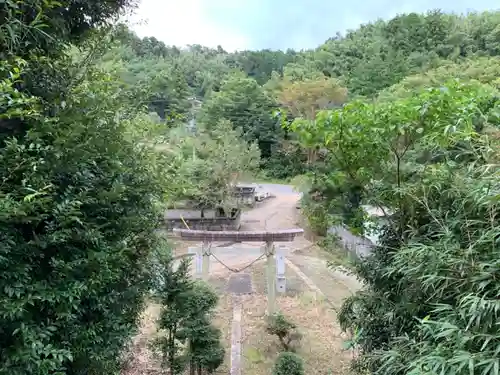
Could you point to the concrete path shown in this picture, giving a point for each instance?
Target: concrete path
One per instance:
(279, 212)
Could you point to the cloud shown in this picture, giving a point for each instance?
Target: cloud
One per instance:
(277, 24)
(182, 23)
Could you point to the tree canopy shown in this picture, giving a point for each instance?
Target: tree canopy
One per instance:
(79, 194)
(428, 161)
(379, 59)
(101, 129)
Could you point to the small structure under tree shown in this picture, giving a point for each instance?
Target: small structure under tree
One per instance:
(213, 219)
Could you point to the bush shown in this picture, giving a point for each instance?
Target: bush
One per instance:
(205, 348)
(288, 363)
(189, 337)
(430, 304)
(286, 331)
(317, 215)
(77, 224)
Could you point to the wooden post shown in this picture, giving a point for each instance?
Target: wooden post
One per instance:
(205, 248)
(271, 278)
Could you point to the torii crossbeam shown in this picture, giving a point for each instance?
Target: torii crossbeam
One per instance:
(269, 237)
(286, 235)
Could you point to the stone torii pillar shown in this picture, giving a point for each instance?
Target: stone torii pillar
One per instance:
(268, 237)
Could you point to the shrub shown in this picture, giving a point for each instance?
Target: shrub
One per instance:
(430, 161)
(286, 160)
(205, 348)
(288, 363)
(77, 224)
(189, 337)
(286, 331)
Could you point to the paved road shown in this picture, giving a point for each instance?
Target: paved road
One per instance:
(278, 212)
(278, 189)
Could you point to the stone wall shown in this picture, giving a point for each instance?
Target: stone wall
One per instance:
(217, 224)
(357, 245)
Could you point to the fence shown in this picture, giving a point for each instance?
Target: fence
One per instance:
(356, 245)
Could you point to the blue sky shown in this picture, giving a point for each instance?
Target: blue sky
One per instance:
(276, 24)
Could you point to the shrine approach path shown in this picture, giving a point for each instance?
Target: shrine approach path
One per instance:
(277, 213)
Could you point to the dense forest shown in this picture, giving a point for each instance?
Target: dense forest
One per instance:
(377, 61)
(100, 130)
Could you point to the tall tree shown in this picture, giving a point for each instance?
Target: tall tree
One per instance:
(427, 162)
(208, 162)
(304, 98)
(78, 196)
(247, 106)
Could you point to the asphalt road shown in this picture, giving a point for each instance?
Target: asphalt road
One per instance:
(278, 189)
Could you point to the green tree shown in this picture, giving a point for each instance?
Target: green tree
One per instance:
(171, 292)
(426, 160)
(288, 363)
(205, 349)
(284, 330)
(378, 55)
(188, 337)
(485, 70)
(157, 73)
(204, 69)
(78, 196)
(259, 65)
(247, 106)
(208, 162)
(45, 26)
(77, 225)
(304, 98)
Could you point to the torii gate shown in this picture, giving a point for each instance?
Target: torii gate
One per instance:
(269, 237)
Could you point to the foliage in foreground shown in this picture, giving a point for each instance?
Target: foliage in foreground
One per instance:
(288, 363)
(188, 338)
(78, 196)
(76, 226)
(431, 302)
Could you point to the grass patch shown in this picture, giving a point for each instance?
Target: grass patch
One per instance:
(272, 180)
(263, 177)
(321, 344)
(325, 247)
(335, 285)
(336, 255)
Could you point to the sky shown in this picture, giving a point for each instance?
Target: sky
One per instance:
(274, 24)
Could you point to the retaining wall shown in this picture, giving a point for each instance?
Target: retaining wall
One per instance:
(216, 224)
(357, 245)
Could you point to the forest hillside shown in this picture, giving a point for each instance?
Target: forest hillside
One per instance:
(377, 60)
(101, 131)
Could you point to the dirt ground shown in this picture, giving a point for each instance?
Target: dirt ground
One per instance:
(139, 359)
(321, 346)
(321, 343)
